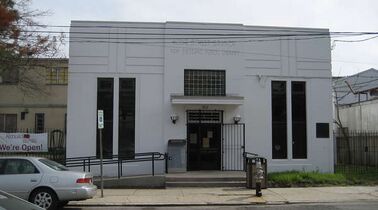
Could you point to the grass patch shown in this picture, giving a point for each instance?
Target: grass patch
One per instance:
(361, 175)
(342, 176)
(296, 178)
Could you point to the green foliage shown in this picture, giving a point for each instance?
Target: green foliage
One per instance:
(295, 178)
(362, 175)
(346, 176)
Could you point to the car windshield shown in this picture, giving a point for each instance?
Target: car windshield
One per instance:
(54, 165)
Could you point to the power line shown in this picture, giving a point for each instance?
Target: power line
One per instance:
(271, 29)
(360, 40)
(272, 34)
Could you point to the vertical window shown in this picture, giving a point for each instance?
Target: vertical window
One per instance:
(105, 103)
(298, 110)
(39, 122)
(8, 122)
(126, 131)
(204, 82)
(279, 120)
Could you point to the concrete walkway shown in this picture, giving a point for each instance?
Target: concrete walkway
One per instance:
(228, 196)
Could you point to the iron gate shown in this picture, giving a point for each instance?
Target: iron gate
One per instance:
(233, 147)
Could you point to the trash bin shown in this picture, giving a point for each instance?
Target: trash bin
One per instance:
(251, 172)
(176, 155)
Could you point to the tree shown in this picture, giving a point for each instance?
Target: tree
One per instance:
(342, 129)
(21, 42)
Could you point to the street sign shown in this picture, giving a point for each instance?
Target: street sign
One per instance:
(100, 119)
(100, 125)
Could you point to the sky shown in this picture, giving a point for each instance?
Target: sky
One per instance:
(336, 15)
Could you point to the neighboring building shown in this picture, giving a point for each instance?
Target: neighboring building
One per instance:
(35, 99)
(361, 116)
(363, 86)
(160, 81)
(358, 102)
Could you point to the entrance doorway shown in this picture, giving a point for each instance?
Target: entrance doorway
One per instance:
(204, 134)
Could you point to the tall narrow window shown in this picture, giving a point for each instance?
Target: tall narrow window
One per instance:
(105, 102)
(298, 110)
(39, 122)
(279, 120)
(126, 131)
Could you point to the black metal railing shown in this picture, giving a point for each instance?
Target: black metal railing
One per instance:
(88, 161)
(356, 152)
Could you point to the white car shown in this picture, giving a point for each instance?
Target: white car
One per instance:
(44, 182)
(9, 201)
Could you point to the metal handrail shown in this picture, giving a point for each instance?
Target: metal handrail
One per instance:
(88, 161)
(247, 154)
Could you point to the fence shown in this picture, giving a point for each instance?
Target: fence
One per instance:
(357, 152)
(56, 143)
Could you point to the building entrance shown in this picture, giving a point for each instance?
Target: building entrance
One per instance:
(204, 134)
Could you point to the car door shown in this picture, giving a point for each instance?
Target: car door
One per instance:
(19, 177)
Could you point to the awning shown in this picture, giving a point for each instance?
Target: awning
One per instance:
(210, 100)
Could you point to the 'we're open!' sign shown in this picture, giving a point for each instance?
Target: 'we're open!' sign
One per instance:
(23, 142)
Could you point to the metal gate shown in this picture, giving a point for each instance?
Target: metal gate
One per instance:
(233, 147)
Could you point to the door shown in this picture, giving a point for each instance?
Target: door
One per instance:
(233, 147)
(204, 146)
(18, 176)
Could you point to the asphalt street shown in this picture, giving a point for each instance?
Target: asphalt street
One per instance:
(368, 205)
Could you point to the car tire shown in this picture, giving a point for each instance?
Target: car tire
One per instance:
(62, 203)
(44, 198)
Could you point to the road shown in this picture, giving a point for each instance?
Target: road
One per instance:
(314, 206)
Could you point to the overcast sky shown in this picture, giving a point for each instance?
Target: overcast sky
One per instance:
(337, 15)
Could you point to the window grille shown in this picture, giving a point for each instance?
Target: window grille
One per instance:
(204, 116)
(204, 82)
(57, 76)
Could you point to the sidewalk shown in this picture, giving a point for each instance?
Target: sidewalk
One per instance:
(228, 196)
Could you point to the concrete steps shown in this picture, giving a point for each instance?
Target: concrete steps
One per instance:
(205, 181)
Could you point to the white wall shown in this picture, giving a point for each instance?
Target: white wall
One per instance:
(360, 116)
(159, 72)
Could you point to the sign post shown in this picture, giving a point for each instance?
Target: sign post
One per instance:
(100, 124)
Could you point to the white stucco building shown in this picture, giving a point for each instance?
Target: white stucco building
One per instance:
(277, 80)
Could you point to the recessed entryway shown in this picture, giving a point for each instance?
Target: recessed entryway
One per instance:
(204, 134)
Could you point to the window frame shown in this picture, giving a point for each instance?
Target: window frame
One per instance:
(4, 126)
(36, 128)
(57, 76)
(200, 87)
(285, 152)
(2, 172)
(296, 155)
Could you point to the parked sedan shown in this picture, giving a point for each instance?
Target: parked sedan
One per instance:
(44, 182)
(8, 201)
